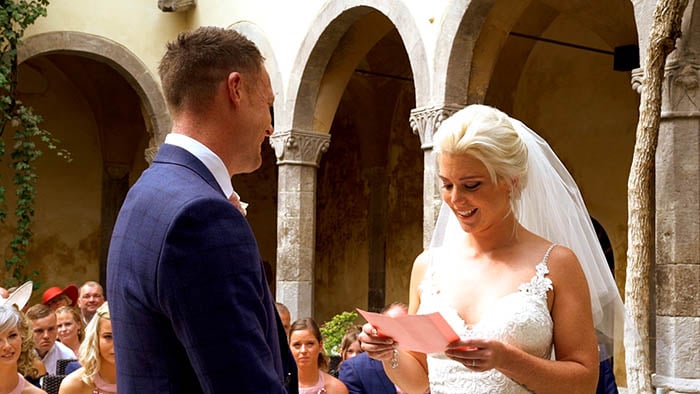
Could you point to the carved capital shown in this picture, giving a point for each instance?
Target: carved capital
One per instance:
(116, 171)
(299, 147)
(426, 120)
(150, 153)
(681, 88)
(681, 93)
(176, 5)
(637, 79)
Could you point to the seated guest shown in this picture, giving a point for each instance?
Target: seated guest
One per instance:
(55, 298)
(349, 348)
(98, 374)
(92, 296)
(285, 316)
(349, 345)
(70, 327)
(43, 325)
(307, 348)
(13, 334)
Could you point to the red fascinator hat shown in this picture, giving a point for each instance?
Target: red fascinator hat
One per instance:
(52, 292)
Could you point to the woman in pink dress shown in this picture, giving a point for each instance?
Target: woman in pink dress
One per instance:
(307, 348)
(14, 333)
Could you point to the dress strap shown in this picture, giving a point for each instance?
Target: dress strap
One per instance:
(540, 284)
(545, 259)
(20, 385)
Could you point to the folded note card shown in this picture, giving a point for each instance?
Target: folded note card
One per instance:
(419, 333)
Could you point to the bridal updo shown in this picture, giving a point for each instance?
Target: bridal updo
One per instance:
(486, 134)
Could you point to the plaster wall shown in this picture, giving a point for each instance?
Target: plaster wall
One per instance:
(141, 27)
(136, 24)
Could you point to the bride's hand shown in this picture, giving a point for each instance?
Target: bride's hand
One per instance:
(376, 346)
(475, 354)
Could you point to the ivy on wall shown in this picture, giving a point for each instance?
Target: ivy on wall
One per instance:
(21, 138)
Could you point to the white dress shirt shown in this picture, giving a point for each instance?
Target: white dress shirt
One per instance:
(57, 352)
(210, 160)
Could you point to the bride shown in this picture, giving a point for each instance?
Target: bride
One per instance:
(514, 267)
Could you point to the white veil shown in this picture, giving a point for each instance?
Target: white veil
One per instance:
(552, 207)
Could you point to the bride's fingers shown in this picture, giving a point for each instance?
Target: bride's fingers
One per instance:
(384, 354)
(370, 335)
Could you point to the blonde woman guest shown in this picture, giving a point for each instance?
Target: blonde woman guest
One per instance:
(98, 374)
(70, 328)
(13, 335)
(307, 348)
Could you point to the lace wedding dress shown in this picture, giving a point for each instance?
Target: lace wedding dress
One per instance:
(521, 319)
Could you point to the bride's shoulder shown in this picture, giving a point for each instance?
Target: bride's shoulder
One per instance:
(423, 259)
(562, 262)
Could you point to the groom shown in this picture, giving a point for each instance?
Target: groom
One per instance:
(191, 310)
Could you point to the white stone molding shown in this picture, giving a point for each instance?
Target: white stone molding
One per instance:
(299, 147)
(176, 5)
(426, 120)
(681, 90)
(637, 79)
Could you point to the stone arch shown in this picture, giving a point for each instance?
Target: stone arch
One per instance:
(457, 38)
(122, 60)
(475, 32)
(311, 101)
(258, 36)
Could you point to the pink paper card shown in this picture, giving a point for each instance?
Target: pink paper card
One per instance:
(419, 333)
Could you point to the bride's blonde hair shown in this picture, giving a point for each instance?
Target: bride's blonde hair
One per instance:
(488, 135)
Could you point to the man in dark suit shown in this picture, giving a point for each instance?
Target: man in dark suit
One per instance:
(191, 309)
(364, 375)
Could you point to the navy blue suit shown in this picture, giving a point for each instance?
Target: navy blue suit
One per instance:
(364, 375)
(191, 310)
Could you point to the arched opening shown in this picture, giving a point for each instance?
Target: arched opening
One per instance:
(359, 84)
(97, 116)
(369, 211)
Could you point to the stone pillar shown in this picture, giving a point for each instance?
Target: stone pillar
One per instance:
(115, 185)
(377, 235)
(298, 155)
(425, 121)
(678, 231)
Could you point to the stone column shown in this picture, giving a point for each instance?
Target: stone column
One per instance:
(425, 121)
(377, 223)
(678, 231)
(298, 155)
(115, 185)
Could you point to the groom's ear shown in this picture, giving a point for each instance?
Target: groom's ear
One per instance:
(234, 85)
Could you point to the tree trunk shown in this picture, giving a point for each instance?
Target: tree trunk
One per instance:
(666, 28)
